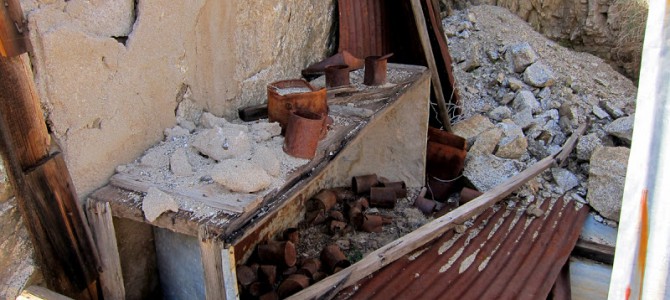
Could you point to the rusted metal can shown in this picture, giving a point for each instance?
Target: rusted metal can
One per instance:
(295, 94)
(303, 132)
(375, 69)
(337, 75)
(382, 197)
(333, 258)
(372, 223)
(292, 285)
(399, 186)
(362, 184)
(426, 206)
(278, 253)
(468, 194)
(324, 200)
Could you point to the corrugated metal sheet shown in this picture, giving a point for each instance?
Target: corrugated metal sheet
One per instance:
(363, 30)
(506, 253)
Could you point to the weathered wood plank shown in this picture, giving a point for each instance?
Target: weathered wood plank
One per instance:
(210, 253)
(34, 292)
(432, 66)
(111, 278)
(229, 274)
(404, 245)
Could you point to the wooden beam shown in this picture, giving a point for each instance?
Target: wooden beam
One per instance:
(34, 292)
(46, 197)
(210, 254)
(111, 278)
(229, 275)
(13, 29)
(430, 59)
(408, 243)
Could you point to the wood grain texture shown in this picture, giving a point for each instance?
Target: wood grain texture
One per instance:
(111, 278)
(210, 254)
(13, 29)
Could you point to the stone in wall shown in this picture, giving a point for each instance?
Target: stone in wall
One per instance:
(108, 97)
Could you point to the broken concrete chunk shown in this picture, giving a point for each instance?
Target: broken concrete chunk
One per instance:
(513, 144)
(188, 110)
(565, 179)
(241, 176)
(208, 120)
(486, 142)
(586, 145)
(622, 128)
(176, 131)
(525, 100)
(485, 171)
(179, 164)
(470, 128)
(539, 75)
(223, 143)
(267, 158)
(156, 202)
(607, 175)
(522, 56)
(154, 158)
(499, 113)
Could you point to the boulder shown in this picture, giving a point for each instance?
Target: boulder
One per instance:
(522, 56)
(539, 75)
(607, 175)
(513, 144)
(241, 176)
(487, 141)
(470, 128)
(486, 171)
(622, 128)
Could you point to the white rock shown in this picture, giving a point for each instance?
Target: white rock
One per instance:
(539, 75)
(175, 132)
(264, 131)
(241, 176)
(622, 128)
(565, 179)
(607, 175)
(499, 113)
(486, 171)
(599, 112)
(156, 202)
(525, 100)
(515, 84)
(179, 164)
(154, 158)
(513, 144)
(522, 56)
(188, 110)
(524, 118)
(223, 143)
(208, 120)
(487, 141)
(470, 128)
(586, 145)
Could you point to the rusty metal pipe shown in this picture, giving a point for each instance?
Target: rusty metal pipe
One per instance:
(278, 253)
(303, 132)
(383, 197)
(372, 223)
(399, 186)
(337, 75)
(295, 94)
(362, 184)
(333, 258)
(375, 69)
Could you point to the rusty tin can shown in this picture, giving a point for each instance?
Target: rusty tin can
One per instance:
(294, 94)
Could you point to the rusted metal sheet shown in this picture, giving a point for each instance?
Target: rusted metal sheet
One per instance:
(505, 254)
(363, 27)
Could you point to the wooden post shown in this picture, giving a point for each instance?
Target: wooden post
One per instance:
(229, 273)
(210, 254)
(111, 277)
(46, 197)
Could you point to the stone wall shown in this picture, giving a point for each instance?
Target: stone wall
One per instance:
(610, 29)
(110, 73)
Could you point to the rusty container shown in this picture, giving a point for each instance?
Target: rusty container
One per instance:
(324, 200)
(294, 94)
(384, 197)
(278, 253)
(337, 75)
(399, 186)
(362, 184)
(303, 132)
(292, 285)
(333, 258)
(372, 223)
(375, 69)
(468, 194)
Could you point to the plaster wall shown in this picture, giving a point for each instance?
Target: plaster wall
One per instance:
(110, 73)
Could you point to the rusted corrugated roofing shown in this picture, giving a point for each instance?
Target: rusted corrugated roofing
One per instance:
(505, 254)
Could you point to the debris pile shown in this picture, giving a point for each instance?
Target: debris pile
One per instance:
(341, 225)
(523, 95)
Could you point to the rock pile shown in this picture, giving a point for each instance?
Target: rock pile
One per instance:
(523, 95)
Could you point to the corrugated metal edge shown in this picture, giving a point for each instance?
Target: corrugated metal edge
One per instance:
(505, 254)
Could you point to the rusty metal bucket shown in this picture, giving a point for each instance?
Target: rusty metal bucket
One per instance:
(337, 75)
(375, 69)
(294, 94)
(303, 132)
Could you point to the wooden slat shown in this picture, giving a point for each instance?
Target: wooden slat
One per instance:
(210, 253)
(430, 59)
(402, 246)
(111, 278)
(229, 274)
(34, 292)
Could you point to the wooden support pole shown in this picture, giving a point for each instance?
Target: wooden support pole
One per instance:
(46, 197)
(111, 277)
(430, 59)
(210, 254)
(229, 274)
